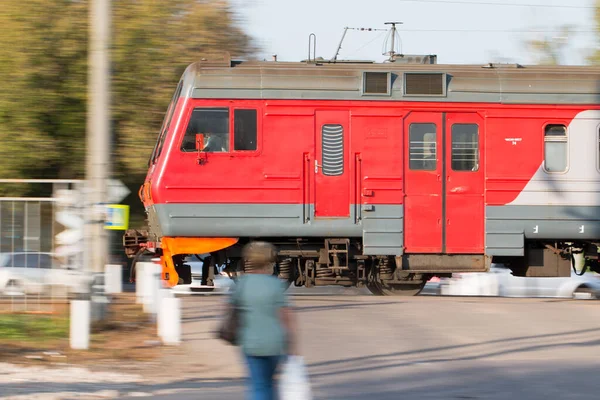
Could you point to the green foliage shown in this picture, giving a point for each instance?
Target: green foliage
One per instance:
(17, 327)
(595, 56)
(548, 49)
(43, 76)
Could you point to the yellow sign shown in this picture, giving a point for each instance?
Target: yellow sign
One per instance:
(117, 217)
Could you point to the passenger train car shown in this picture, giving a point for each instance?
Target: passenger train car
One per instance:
(376, 174)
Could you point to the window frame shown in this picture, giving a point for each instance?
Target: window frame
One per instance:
(478, 147)
(567, 141)
(258, 130)
(437, 148)
(203, 104)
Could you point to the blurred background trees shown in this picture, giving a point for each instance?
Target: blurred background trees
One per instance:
(595, 56)
(43, 76)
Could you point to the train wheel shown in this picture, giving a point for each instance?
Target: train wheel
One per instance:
(410, 288)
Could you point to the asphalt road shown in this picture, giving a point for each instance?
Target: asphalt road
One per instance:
(366, 347)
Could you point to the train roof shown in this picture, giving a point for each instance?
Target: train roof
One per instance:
(411, 79)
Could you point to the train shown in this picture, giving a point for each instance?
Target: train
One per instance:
(375, 174)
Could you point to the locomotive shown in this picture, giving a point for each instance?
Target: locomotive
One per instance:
(378, 175)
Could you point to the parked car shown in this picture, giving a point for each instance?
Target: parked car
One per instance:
(34, 273)
(499, 281)
(222, 282)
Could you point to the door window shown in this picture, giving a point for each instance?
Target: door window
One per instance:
(423, 147)
(465, 147)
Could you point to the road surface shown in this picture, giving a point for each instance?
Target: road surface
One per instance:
(367, 347)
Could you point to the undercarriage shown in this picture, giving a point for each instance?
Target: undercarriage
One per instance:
(313, 262)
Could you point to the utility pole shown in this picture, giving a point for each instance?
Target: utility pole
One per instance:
(98, 135)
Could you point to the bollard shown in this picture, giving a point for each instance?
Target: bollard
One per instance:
(160, 321)
(153, 294)
(150, 286)
(113, 278)
(139, 281)
(80, 324)
(578, 262)
(170, 320)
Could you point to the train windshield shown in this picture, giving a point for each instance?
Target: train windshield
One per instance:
(165, 126)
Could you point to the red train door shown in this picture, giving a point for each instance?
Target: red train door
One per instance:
(332, 183)
(423, 183)
(464, 186)
(444, 181)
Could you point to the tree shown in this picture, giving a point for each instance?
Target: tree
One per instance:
(549, 49)
(594, 58)
(43, 73)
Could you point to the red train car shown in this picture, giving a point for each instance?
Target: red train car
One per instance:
(381, 175)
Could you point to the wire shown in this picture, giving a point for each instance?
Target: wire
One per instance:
(366, 44)
(486, 3)
(497, 30)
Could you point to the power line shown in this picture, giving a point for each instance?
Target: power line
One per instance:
(497, 30)
(488, 3)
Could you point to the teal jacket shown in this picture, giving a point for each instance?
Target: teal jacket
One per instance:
(259, 299)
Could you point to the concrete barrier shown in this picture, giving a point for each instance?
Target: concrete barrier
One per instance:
(139, 281)
(113, 278)
(170, 321)
(160, 320)
(80, 324)
(151, 286)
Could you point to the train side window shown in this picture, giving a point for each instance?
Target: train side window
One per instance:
(555, 148)
(422, 151)
(465, 147)
(244, 130)
(213, 123)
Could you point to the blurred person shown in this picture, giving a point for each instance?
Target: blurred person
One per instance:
(266, 324)
(214, 143)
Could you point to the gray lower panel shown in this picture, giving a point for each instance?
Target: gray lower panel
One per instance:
(383, 231)
(382, 225)
(507, 227)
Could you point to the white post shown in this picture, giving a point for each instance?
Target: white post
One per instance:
(139, 281)
(170, 316)
(113, 278)
(160, 320)
(578, 262)
(80, 324)
(150, 286)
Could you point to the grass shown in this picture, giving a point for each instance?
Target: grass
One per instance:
(127, 334)
(32, 328)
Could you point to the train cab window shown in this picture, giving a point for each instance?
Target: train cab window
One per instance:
(555, 148)
(422, 147)
(465, 147)
(213, 123)
(244, 130)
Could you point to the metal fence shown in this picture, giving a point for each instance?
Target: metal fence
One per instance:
(33, 277)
